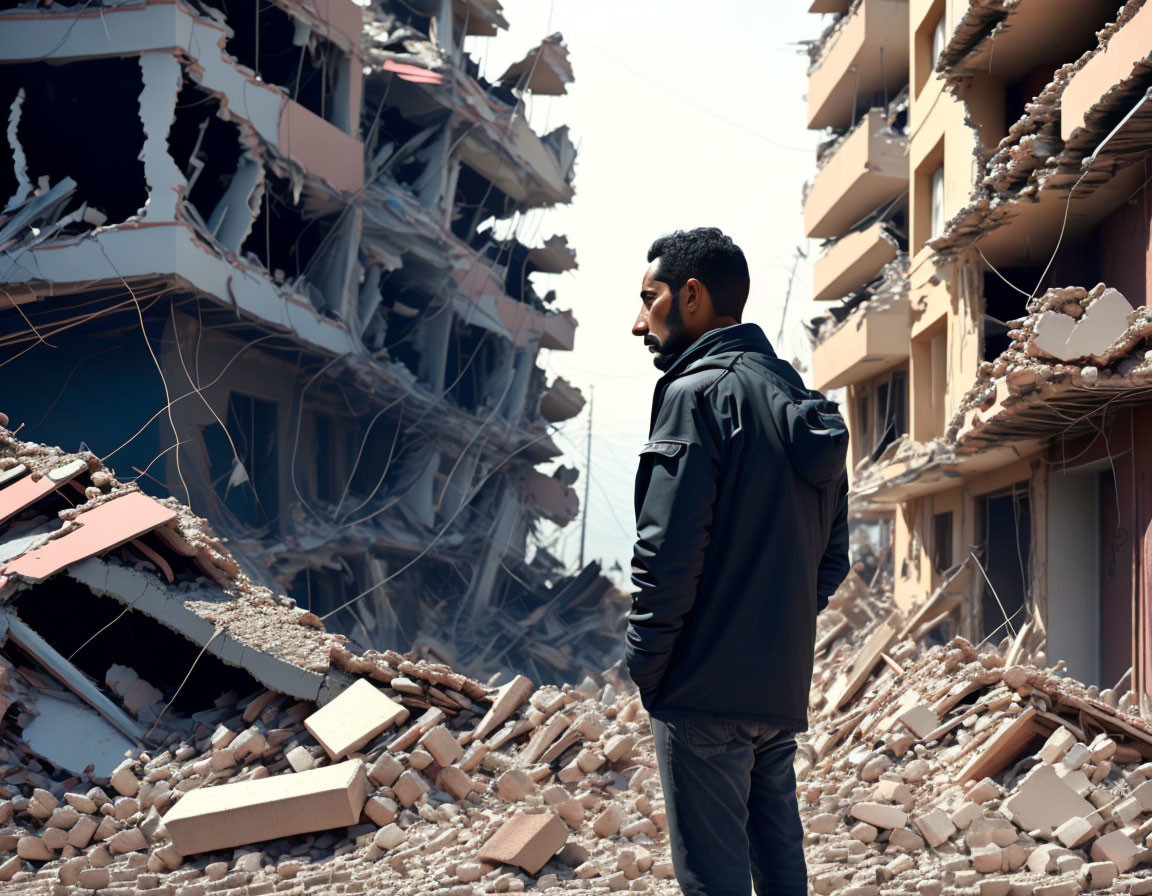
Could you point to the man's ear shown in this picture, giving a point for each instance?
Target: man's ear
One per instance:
(693, 295)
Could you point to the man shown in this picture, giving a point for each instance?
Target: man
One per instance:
(742, 535)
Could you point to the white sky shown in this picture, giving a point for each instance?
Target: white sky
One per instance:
(684, 116)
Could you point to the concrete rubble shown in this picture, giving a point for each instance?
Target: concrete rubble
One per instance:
(945, 768)
(252, 751)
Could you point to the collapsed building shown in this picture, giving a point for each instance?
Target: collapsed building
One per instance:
(171, 727)
(264, 259)
(985, 210)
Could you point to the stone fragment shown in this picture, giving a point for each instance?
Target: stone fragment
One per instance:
(920, 720)
(879, 815)
(409, 787)
(527, 841)
(386, 770)
(389, 837)
(608, 822)
(1118, 848)
(442, 745)
(514, 785)
(33, 849)
(123, 780)
(1043, 802)
(935, 826)
(454, 781)
(381, 810)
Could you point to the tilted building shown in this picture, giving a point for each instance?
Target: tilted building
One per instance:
(255, 256)
(985, 206)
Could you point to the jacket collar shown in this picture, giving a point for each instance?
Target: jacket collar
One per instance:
(723, 340)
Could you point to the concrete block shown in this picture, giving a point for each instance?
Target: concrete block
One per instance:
(347, 723)
(526, 841)
(381, 810)
(1044, 802)
(386, 770)
(879, 815)
(452, 780)
(1117, 848)
(230, 815)
(1075, 832)
(1058, 743)
(920, 720)
(1100, 874)
(1103, 322)
(442, 745)
(936, 826)
(409, 787)
(988, 859)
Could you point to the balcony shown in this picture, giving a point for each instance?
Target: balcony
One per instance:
(851, 262)
(872, 340)
(1121, 61)
(866, 54)
(869, 169)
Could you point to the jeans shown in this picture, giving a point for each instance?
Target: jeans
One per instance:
(730, 797)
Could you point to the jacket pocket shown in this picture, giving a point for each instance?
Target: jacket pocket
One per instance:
(706, 737)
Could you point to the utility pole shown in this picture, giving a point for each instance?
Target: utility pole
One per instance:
(587, 473)
(784, 314)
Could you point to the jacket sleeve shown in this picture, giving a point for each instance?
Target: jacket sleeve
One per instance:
(834, 564)
(675, 492)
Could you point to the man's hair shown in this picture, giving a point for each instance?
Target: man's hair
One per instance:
(710, 256)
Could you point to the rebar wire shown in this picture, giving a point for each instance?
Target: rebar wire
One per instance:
(159, 370)
(475, 491)
(1003, 612)
(180, 687)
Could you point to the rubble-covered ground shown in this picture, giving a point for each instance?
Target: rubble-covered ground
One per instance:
(930, 767)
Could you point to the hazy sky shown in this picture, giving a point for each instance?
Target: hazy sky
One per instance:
(684, 116)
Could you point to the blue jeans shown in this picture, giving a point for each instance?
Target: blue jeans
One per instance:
(730, 796)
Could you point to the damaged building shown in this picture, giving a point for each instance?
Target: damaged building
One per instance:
(264, 260)
(985, 207)
(172, 728)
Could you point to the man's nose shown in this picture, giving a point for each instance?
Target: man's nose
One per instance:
(640, 327)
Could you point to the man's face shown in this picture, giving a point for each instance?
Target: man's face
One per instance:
(660, 322)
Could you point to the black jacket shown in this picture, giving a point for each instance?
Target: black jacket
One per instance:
(742, 533)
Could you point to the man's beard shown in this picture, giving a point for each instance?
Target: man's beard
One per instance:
(674, 343)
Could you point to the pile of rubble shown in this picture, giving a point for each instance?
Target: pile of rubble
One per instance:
(130, 759)
(951, 769)
(543, 788)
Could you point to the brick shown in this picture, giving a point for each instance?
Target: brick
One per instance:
(936, 827)
(94, 878)
(381, 810)
(514, 785)
(902, 838)
(893, 792)
(130, 840)
(211, 818)
(300, 758)
(457, 783)
(1100, 874)
(920, 720)
(409, 787)
(1043, 858)
(1075, 832)
(879, 815)
(1044, 802)
(386, 770)
(995, 886)
(983, 790)
(33, 849)
(526, 841)
(1058, 743)
(1059, 888)
(823, 823)
(356, 716)
(442, 745)
(987, 859)
(124, 780)
(966, 814)
(389, 837)
(10, 866)
(608, 822)
(1118, 848)
(619, 747)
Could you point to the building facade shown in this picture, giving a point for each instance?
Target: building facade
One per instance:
(985, 209)
(263, 259)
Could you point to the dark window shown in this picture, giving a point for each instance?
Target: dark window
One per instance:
(891, 411)
(252, 424)
(942, 541)
(1007, 542)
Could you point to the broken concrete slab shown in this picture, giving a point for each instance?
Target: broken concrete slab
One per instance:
(360, 713)
(1102, 323)
(230, 815)
(1043, 802)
